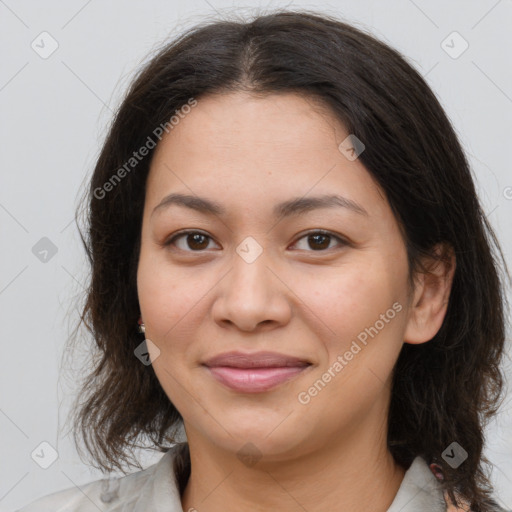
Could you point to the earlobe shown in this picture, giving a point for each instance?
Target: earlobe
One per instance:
(431, 295)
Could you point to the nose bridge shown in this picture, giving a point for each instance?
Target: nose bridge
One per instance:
(251, 294)
(250, 270)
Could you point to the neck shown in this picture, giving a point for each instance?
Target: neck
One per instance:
(356, 472)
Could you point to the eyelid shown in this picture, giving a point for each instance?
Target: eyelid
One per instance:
(342, 241)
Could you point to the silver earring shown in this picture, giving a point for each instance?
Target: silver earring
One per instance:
(142, 327)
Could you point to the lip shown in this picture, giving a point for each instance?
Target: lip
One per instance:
(256, 372)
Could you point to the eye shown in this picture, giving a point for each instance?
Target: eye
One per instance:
(195, 240)
(320, 240)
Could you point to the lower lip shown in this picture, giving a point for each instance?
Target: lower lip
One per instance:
(254, 380)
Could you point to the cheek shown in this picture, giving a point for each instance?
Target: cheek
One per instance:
(349, 298)
(166, 295)
(361, 332)
(169, 301)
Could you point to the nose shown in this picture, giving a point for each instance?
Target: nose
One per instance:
(252, 296)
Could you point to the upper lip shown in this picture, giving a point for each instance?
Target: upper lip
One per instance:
(255, 360)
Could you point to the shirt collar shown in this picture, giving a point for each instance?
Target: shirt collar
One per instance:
(419, 491)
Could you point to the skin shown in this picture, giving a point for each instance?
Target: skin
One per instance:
(199, 299)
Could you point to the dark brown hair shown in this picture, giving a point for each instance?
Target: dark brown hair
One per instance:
(444, 390)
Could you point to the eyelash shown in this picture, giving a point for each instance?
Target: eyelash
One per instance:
(173, 239)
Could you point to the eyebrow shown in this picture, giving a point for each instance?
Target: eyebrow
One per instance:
(288, 208)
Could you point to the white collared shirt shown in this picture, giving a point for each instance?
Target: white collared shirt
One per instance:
(155, 489)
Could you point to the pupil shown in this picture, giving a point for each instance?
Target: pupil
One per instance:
(316, 237)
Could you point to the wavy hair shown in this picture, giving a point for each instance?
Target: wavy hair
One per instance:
(444, 390)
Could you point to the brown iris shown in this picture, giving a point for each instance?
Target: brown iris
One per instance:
(317, 238)
(199, 241)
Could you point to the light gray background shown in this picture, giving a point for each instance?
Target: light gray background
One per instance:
(54, 114)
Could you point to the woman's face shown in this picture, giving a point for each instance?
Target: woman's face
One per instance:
(261, 278)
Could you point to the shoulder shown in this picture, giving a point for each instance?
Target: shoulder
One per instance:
(140, 490)
(105, 495)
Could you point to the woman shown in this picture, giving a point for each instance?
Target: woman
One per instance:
(284, 209)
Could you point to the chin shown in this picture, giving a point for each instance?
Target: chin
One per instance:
(264, 440)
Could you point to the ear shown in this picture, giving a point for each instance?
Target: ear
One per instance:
(430, 297)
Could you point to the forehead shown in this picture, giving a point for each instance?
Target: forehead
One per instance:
(244, 121)
(258, 149)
